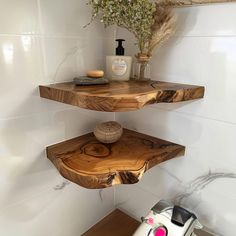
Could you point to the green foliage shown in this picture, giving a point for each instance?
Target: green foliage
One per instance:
(134, 15)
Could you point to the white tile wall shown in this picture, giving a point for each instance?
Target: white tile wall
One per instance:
(19, 17)
(68, 18)
(203, 53)
(43, 42)
(209, 20)
(56, 212)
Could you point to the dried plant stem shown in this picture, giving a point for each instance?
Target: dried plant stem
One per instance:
(163, 27)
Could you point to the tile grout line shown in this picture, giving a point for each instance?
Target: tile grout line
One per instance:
(193, 115)
(35, 114)
(42, 42)
(49, 36)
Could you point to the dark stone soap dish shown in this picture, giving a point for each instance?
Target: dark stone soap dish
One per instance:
(84, 80)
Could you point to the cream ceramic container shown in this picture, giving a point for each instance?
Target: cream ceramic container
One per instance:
(118, 68)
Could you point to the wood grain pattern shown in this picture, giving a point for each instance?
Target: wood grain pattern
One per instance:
(121, 96)
(91, 164)
(187, 3)
(115, 224)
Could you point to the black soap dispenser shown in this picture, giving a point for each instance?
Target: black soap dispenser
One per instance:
(118, 67)
(120, 51)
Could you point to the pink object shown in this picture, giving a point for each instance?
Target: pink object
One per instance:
(161, 232)
(151, 221)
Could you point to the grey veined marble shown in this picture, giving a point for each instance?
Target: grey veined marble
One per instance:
(200, 183)
(211, 206)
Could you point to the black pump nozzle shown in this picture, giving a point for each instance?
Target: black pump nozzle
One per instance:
(120, 51)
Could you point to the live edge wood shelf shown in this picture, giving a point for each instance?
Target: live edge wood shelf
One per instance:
(94, 165)
(121, 96)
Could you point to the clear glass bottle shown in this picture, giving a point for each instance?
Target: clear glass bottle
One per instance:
(141, 68)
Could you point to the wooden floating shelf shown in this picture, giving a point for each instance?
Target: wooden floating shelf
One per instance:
(119, 224)
(91, 164)
(115, 224)
(121, 96)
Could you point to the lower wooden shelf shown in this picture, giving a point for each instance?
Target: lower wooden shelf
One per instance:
(119, 224)
(115, 224)
(94, 165)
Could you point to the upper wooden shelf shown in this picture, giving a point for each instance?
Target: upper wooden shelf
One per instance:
(95, 165)
(121, 96)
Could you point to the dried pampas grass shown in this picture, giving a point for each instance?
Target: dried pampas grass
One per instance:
(163, 27)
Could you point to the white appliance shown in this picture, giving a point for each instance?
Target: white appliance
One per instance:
(168, 220)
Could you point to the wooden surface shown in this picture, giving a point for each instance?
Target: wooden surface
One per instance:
(94, 165)
(115, 224)
(120, 224)
(186, 3)
(120, 96)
